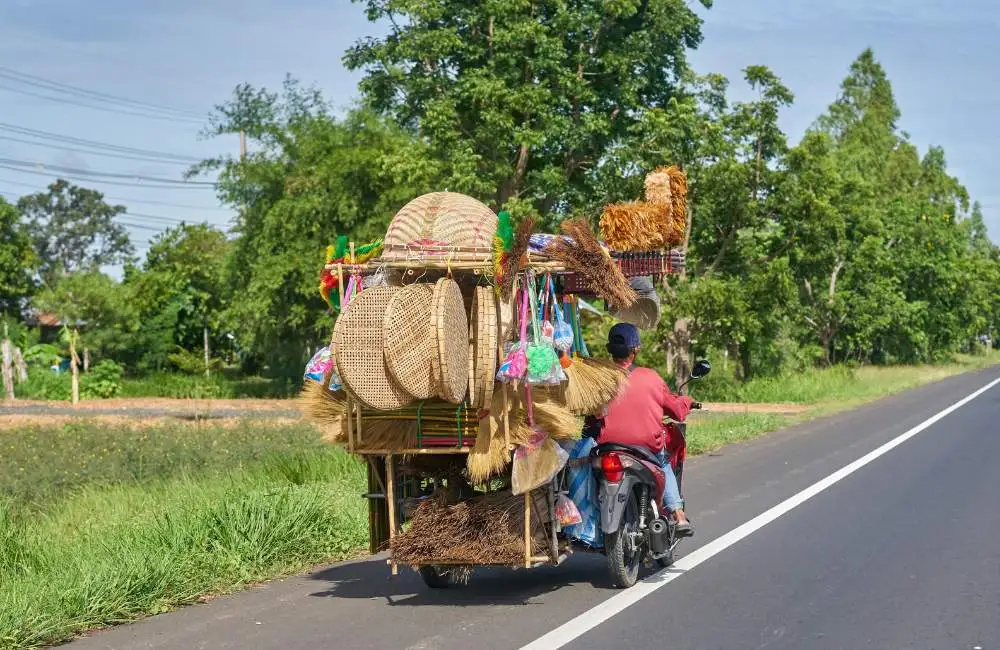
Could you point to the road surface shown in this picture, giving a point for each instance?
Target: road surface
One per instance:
(901, 553)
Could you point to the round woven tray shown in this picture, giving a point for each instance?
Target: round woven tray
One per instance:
(410, 343)
(451, 325)
(443, 219)
(359, 340)
(482, 346)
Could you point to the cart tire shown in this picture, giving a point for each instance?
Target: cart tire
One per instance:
(435, 578)
(624, 569)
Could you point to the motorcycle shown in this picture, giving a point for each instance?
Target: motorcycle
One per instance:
(630, 483)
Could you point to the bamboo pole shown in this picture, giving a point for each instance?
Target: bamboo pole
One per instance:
(527, 529)
(390, 495)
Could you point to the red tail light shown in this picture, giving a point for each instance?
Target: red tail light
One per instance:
(611, 466)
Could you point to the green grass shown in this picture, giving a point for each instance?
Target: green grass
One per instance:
(706, 434)
(43, 384)
(122, 537)
(180, 386)
(837, 384)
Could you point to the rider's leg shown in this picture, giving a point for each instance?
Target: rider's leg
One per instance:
(671, 492)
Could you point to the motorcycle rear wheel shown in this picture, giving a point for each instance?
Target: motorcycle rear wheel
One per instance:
(623, 564)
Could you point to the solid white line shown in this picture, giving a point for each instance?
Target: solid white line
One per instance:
(593, 617)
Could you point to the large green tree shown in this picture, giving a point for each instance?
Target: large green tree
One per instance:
(17, 260)
(307, 178)
(521, 101)
(184, 274)
(73, 229)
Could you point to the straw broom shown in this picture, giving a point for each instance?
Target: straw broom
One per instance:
(593, 383)
(325, 409)
(584, 255)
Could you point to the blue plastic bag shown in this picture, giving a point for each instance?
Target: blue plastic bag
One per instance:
(583, 492)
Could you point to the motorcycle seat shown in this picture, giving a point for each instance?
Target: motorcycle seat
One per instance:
(639, 452)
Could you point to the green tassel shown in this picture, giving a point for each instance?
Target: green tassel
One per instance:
(341, 247)
(505, 230)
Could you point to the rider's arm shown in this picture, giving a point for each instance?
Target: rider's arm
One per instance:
(676, 407)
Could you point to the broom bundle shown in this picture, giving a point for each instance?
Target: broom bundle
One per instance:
(636, 225)
(593, 383)
(325, 409)
(658, 222)
(679, 205)
(512, 260)
(583, 254)
(483, 530)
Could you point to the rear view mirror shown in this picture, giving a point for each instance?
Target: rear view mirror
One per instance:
(701, 369)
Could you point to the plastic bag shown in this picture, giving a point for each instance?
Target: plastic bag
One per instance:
(320, 364)
(515, 363)
(536, 463)
(566, 511)
(583, 493)
(543, 362)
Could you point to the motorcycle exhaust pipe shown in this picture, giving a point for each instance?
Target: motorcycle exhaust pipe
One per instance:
(659, 536)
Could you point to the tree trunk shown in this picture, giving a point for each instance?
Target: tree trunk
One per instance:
(20, 367)
(8, 370)
(86, 360)
(205, 333)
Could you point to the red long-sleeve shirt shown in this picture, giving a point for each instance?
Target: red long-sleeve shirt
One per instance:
(635, 417)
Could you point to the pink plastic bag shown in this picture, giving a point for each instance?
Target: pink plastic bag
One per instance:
(566, 511)
(515, 364)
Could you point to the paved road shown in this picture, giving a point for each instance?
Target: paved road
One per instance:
(901, 554)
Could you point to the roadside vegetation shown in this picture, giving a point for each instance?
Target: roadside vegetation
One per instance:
(99, 525)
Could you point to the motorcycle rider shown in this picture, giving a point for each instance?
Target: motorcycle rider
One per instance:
(635, 417)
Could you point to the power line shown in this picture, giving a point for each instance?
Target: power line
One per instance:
(41, 82)
(85, 179)
(11, 163)
(107, 154)
(77, 96)
(110, 109)
(165, 204)
(56, 137)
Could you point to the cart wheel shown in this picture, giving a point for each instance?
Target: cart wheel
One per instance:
(435, 578)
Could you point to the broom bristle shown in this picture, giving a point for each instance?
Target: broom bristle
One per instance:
(490, 455)
(557, 421)
(583, 254)
(325, 409)
(593, 383)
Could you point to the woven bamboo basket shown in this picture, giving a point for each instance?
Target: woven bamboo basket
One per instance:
(445, 222)
(482, 346)
(359, 341)
(451, 325)
(410, 343)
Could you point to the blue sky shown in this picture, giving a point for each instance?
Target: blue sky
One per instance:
(941, 57)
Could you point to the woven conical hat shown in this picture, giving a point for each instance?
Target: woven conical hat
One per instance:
(442, 220)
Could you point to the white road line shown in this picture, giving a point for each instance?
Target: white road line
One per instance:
(593, 617)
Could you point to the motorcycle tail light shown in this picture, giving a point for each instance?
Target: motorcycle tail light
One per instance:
(612, 468)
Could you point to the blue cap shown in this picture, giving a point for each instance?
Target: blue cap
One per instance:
(625, 335)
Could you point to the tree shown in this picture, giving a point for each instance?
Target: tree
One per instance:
(520, 101)
(184, 268)
(97, 305)
(17, 260)
(308, 178)
(73, 229)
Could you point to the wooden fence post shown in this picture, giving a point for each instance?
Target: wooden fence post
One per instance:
(8, 370)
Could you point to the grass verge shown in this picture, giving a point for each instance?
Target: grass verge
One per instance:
(124, 538)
